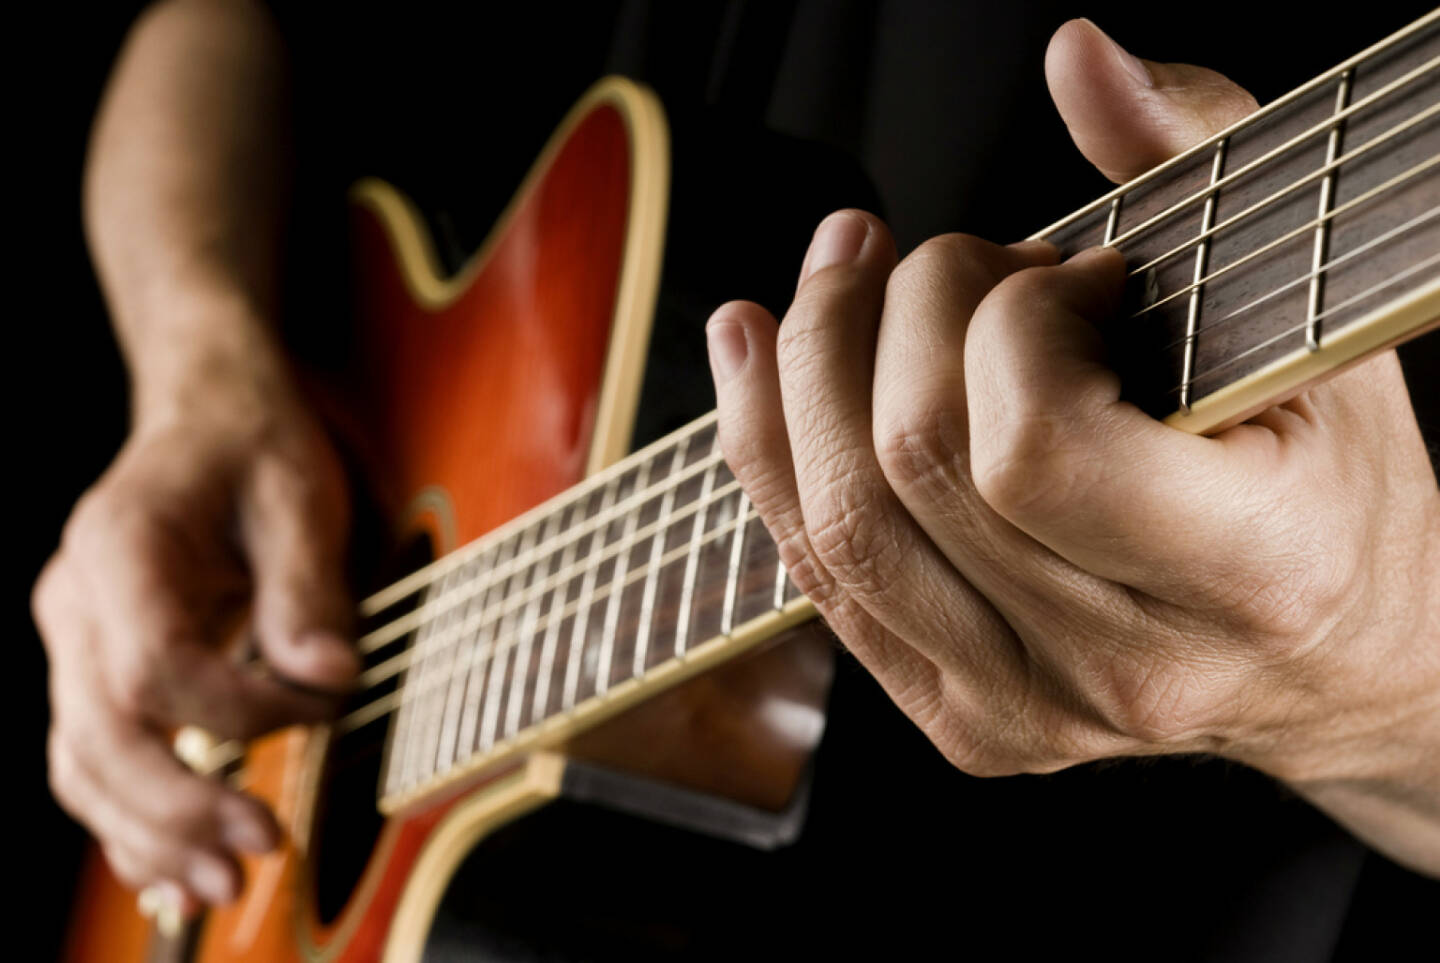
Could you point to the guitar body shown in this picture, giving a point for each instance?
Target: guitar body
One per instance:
(473, 399)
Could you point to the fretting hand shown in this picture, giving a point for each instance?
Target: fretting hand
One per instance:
(1038, 573)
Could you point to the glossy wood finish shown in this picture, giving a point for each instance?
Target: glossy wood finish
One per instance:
(489, 402)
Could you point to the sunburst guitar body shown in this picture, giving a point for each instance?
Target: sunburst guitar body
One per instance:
(476, 397)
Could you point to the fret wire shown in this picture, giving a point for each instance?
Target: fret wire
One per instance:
(1264, 113)
(779, 582)
(1265, 203)
(1188, 202)
(652, 578)
(1322, 233)
(427, 724)
(692, 559)
(1377, 241)
(1112, 221)
(388, 703)
(378, 638)
(499, 661)
(612, 607)
(402, 755)
(476, 661)
(718, 494)
(552, 632)
(582, 612)
(471, 648)
(527, 632)
(1431, 261)
(567, 573)
(397, 591)
(1202, 254)
(732, 577)
(427, 670)
(1350, 205)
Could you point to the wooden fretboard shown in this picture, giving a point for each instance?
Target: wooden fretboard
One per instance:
(1299, 241)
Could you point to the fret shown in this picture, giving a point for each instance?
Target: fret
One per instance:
(617, 586)
(582, 611)
(1197, 294)
(692, 558)
(657, 552)
(732, 574)
(402, 749)
(1322, 232)
(472, 646)
(780, 579)
(421, 751)
(469, 673)
(500, 654)
(526, 634)
(552, 630)
(1112, 223)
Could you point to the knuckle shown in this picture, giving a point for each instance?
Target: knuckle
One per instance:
(924, 445)
(1155, 703)
(126, 866)
(938, 259)
(851, 540)
(1032, 466)
(64, 771)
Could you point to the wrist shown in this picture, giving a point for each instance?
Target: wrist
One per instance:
(207, 355)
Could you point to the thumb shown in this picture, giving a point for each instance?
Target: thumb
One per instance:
(302, 608)
(1126, 114)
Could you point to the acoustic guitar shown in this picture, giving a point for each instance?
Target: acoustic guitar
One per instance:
(614, 626)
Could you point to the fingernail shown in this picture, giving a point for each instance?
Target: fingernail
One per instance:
(728, 349)
(837, 240)
(211, 880)
(1132, 64)
(247, 835)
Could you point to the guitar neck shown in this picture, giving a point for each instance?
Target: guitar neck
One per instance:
(1300, 241)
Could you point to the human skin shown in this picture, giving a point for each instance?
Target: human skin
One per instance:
(1040, 574)
(227, 500)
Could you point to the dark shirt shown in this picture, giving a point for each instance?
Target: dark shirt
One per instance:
(937, 115)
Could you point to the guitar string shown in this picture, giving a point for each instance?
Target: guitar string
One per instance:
(1270, 111)
(1379, 240)
(387, 704)
(554, 580)
(432, 572)
(231, 750)
(560, 581)
(378, 638)
(1274, 153)
(428, 576)
(433, 608)
(1399, 130)
(1429, 262)
(1350, 205)
(418, 579)
(381, 707)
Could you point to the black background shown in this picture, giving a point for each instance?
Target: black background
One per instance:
(67, 406)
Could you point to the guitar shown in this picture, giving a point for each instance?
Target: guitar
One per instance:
(579, 594)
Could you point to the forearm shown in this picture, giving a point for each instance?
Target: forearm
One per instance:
(184, 192)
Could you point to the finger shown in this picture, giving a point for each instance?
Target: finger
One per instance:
(751, 427)
(293, 536)
(1056, 452)
(857, 528)
(922, 427)
(159, 664)
(1127, 115)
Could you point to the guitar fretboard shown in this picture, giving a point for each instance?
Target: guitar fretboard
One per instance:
(1278, 240)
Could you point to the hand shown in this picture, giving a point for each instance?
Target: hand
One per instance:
(223, 516)
(1038, 573)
